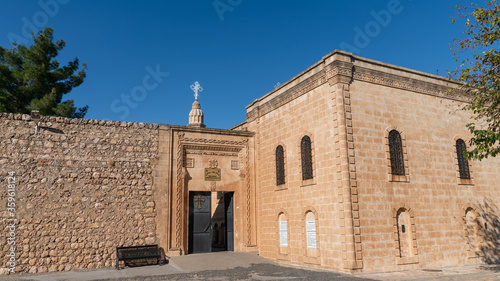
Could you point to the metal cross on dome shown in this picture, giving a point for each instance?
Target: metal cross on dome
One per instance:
(196, 88)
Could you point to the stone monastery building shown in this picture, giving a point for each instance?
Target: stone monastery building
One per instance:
(353, 165)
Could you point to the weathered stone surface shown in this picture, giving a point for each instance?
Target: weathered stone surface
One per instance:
(346, 104)
(69, 198)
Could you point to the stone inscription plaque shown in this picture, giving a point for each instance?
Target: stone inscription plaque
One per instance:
(212, 174)
(283, 234)
(311, 234)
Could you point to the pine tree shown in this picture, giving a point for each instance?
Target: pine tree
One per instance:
(31, 78)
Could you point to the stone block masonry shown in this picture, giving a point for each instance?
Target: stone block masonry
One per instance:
(367, 217)
(83, 187)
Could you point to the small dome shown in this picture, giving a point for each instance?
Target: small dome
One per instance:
(196, 116)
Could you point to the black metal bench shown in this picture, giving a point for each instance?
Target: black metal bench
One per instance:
(136, 253)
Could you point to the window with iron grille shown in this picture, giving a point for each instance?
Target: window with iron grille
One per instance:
(280, 165)
(305, 148)
(396, 152)
(463, 163)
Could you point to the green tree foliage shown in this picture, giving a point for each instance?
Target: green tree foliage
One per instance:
(480, 75)
(32, 79)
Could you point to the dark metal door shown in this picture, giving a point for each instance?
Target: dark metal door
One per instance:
(228, 199)
(200, 226)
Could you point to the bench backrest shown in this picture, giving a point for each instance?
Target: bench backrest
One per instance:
(138, 251)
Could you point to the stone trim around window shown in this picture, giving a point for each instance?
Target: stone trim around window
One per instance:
(311, 256)
(410, 259)
(313, 157)
(283, 250)
(471, 253)
(285, 162)
(461, 181)
(390, 176)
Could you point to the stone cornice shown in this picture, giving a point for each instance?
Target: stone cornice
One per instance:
(296, 91)
(345, 72)
(401, 82)
(338, 68)
(213, 148)
(179, 128)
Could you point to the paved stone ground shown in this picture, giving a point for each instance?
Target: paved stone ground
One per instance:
(245, 266)
(455, 273)
(212, 266)
(260, 271)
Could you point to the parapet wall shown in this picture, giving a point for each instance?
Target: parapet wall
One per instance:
(81, 188)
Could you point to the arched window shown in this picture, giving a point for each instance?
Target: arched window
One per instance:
(463, 164)
(280, 165)
(396, 152)
(306, 154)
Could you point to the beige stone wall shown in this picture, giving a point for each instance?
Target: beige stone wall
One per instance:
(347, 105)
(82, 188)
(429, 126)
(310, 114)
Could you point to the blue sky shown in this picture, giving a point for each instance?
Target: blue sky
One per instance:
(142, 56)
